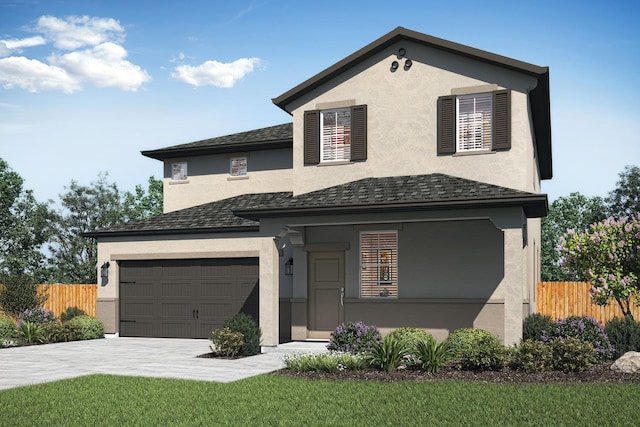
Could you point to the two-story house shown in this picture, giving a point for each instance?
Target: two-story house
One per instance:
(406, 192)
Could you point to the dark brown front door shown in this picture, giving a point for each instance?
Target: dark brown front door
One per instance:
(185, 298)
(326, 293)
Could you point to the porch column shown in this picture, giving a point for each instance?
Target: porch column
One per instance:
(269, 293)
(514, 277)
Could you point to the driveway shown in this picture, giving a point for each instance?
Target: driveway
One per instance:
(146, 357)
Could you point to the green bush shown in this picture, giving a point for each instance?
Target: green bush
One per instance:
(53, 332)
(476, 350)
(30, 332)
(411, 336)
(39, 316)
(252, 335)
(90, 328)
(571, 354)
(534, 325)
(7, 328)
(586, 329)
(533, 356)
(388, 354)
(225, 342)
(324, 362)
(354, 338)
(432, 354)
(624, 334)
(20, 294)
(71, 312)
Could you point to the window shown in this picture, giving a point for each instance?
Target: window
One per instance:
(179, 171)
(474, 122)
(335, 135)
(238, 166)
(379, 264)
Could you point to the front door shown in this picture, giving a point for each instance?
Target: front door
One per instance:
(326, 293)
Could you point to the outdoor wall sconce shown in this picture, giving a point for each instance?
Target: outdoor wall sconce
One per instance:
(394, 65)
(104, 273)
(407, 64)
(288, 267)
(401, 52)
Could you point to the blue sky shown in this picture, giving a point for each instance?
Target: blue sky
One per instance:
(86, 85)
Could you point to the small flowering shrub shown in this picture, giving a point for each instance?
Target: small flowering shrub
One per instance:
(571, 354)
(533, 356)
(476, 350)
(90, 327)
(7, 328)
(624, 334)
(39, 316)
(324, 362)
(225, 342)
(354, 337)
(534, 325)
(586, 329)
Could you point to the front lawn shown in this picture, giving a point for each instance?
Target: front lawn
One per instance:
(277, 400)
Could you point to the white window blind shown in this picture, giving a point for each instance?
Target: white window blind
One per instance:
(474, 122)
(379, 264)
(336, 135)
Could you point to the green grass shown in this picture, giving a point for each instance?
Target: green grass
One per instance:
(272, 400)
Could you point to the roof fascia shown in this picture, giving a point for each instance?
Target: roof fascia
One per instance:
(174, 232)
(168, 153)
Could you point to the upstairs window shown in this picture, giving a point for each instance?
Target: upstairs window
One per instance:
(379, 264)
(335, 135)
(179, 171)
(238, 166)
(474, 122)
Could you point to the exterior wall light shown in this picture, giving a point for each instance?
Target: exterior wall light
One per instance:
(394, 65)
(288, 267)
(407, 64)
(104, 273)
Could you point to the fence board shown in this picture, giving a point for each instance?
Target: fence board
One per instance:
(63, 296)
(563, 299)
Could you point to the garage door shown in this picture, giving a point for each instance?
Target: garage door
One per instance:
(185, 298)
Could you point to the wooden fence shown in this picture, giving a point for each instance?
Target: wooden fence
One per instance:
(563, 299)
(63, 296)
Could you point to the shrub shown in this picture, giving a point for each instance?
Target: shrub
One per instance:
(20, 294)
(432, 354)
(387, 354)
(476, 350)
(60, 332)
(7, 328)
(30, 332)
(571, 354)
(324, 362)
(354, 337)
(225, 342)
(534, 325)
(586, 329)
(624, 334)
(71, 312)
(533, 356)
(252, 335)
(39, 316)
(90, 328)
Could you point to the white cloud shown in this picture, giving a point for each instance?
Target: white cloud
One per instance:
(216, 73)
(20, 43)
(4, 50)
(34, 76)
(74, 32)
(103, 66)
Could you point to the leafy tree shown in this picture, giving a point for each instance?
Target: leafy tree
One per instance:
(25, 225)
(608, 256)
(144, 203)
(625, 199)
(576, 212)
(19, 294)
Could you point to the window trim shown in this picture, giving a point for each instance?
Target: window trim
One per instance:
(393, 282)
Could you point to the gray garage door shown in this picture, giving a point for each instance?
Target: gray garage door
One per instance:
(185, 298)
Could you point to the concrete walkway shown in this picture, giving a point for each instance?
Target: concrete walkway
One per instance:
(146, 357)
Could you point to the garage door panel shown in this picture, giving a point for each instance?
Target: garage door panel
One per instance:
(185, 298)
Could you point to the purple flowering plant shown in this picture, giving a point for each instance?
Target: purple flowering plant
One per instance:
(584, 328)
(38, 316)
(354, 337)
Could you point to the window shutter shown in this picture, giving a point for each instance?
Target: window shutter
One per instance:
(359, 133)
(446, 125)
(311, 137)
(502, 120)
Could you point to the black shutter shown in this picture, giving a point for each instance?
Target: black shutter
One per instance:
(446, 125)
(311, 137)
(501, 120)
(359, 133)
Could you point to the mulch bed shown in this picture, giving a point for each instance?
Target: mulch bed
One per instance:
(600, 374)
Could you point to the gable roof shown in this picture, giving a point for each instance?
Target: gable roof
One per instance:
(279, 136)
(539, 96)
(369, 195)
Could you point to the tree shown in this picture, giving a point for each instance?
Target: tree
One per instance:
(97, 206)
(26, 226)
(625, 199)
(576, 212)
(608, 256)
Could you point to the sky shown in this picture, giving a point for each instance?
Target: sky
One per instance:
(85, 85)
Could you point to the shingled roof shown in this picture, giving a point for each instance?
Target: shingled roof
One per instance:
(369, 195)
(279, 136)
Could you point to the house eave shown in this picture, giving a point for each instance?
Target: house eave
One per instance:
(170, 232)
(172, 153)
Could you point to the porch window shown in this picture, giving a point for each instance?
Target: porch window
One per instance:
(379, 264)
